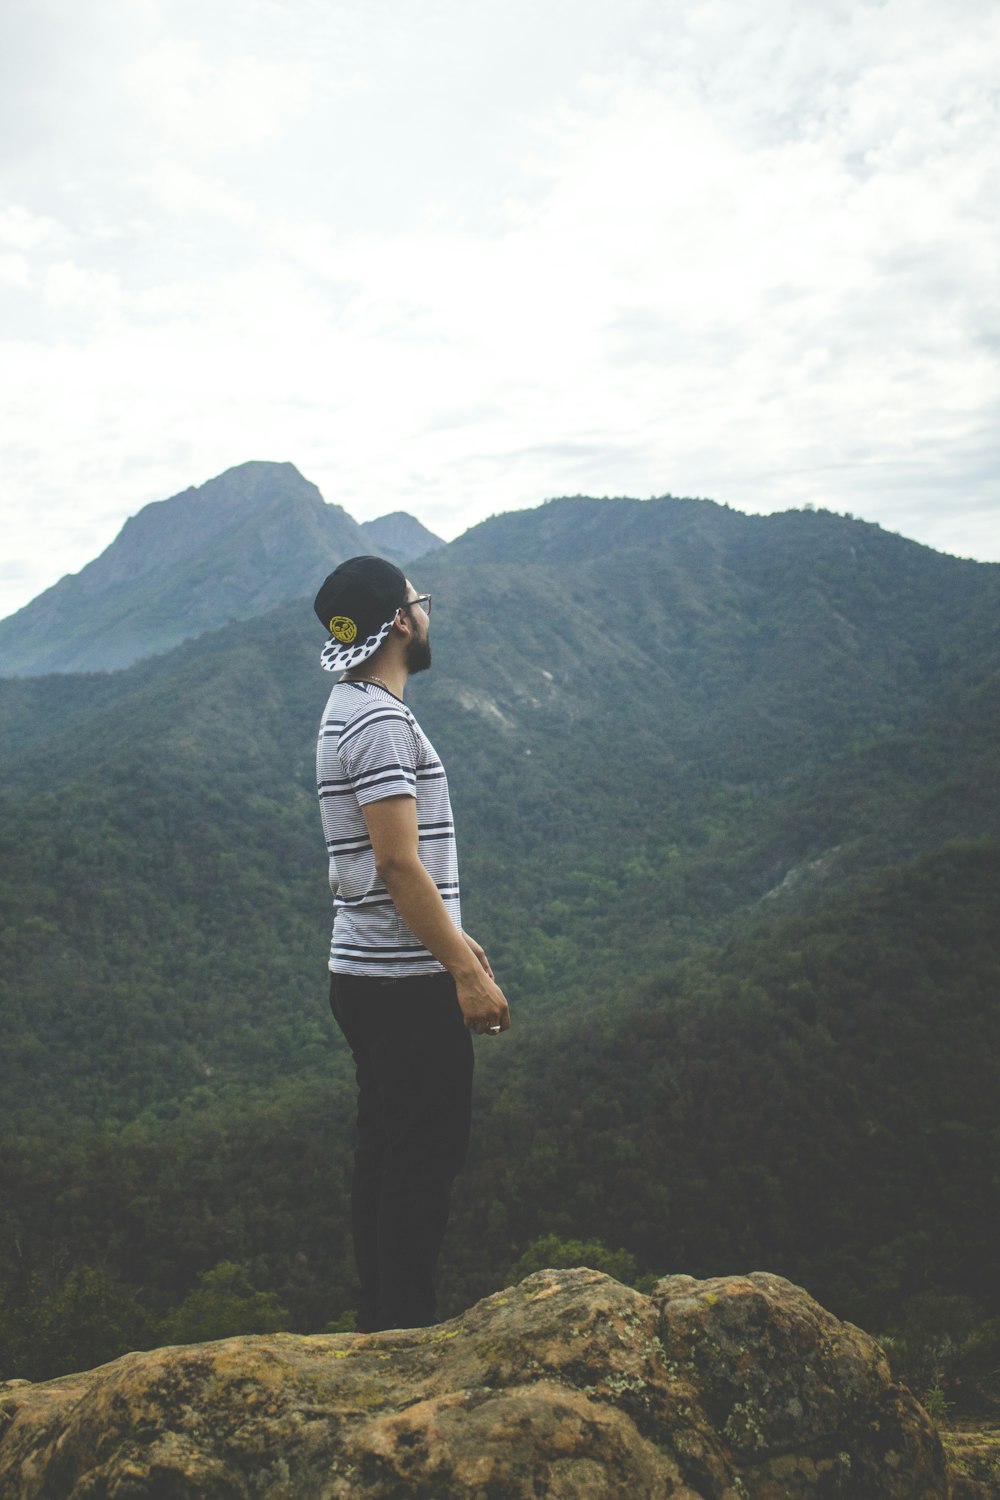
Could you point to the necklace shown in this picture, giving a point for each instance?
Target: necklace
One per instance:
(371, 678)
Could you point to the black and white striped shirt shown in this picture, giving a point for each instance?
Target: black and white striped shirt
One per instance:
(370, 746)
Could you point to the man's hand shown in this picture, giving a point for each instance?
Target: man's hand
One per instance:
(483, 1002)
(483, 1008)
(478, 951)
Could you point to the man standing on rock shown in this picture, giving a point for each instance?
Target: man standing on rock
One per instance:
(407, 985)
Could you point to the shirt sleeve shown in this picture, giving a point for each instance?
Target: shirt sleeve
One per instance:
(378, 751)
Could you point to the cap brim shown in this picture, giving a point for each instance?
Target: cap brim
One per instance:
(336, 657)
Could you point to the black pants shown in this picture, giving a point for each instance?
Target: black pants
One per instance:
(413, 1059)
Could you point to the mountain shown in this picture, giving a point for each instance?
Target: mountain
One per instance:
(738, 702)
(400, 535)
(256, 536)
(726, 796)
(650, 742)
(667, 682)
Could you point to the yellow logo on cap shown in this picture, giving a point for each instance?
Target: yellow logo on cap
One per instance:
(343, 629)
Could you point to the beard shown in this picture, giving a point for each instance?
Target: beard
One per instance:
(418, 655)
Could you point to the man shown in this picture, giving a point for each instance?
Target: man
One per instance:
(407, 985)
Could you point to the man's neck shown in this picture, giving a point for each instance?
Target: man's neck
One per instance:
(389, 675)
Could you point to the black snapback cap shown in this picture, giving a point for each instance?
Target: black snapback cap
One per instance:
(357, 604)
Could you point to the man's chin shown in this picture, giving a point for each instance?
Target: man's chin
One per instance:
(418, 657)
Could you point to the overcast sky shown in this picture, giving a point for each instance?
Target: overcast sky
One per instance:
(460, 256)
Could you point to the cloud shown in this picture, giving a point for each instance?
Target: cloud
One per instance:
(454, 258)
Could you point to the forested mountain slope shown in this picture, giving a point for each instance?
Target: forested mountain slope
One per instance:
(817, 1095)
(643, 744)
(674, 735)
(816, 1098)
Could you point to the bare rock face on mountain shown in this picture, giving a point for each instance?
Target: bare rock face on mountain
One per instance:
(401, 536)
(569, 1384)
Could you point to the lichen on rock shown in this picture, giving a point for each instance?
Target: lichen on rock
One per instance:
(570, 1384)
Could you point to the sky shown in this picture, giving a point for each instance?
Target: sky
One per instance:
(457, 257)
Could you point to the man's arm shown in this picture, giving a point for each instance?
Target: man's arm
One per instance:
(392, 828)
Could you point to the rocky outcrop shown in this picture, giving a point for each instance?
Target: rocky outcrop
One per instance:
(570, 1384)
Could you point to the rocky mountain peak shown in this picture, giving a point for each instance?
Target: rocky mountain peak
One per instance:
(401, 533)
(256, 536)
(167, 531)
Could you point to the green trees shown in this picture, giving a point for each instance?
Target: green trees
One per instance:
(225, 1302)
(87, 1319)
(551, 1250)
(814, 1097)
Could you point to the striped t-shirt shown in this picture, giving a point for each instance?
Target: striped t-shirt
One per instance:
(370, 747)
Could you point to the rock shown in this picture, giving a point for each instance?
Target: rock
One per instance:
(570, 1384)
